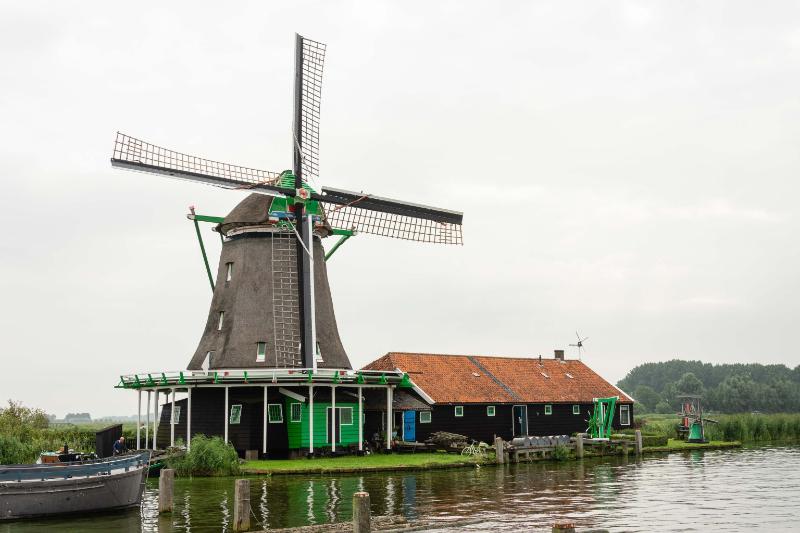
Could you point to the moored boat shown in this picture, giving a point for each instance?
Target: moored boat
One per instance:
(78, 487)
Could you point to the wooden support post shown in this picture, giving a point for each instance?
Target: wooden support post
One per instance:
(188, 418)
(638, 442)
(564, 527)
(498, 450)
(155, 420)
(172, 422)
(360, 419)
(147, 423)
(579, 446)
(311, 419)
(334, 421)
(388, 417)
(625, 448)
(266, 421)
(361, 513)
(139, 422)
(166, 486)
(241, 505)
(226, 414)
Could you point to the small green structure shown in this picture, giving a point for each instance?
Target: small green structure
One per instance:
(601, 418)
(692, 425)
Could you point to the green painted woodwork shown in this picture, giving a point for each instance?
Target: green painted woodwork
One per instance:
(601, 418)
(298, 431)
(182, 380)
(208, 218)
(696, 432)
(203, 252)
(405, 383)
(336, 246)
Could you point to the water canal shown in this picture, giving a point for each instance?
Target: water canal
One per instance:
(733, 490)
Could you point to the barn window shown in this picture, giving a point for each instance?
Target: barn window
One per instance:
(459, 410)
(318, 355)
(176, 415)
(228, 271)
(548, 409)
(346, 416)
(236, 414)
(221, 320)
(490, 410)
(625, 415)
(576, 409)
(424, 417)
(261, 351)
(275, 412)
(296, 413)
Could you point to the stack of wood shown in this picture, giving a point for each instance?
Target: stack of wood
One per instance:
(444, 439)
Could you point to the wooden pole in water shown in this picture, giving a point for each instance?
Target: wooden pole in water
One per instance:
(166, 486)
(638, 442)
(564, 527)
(579, 446)
(241, 505)
(361, 513)
(498, 450)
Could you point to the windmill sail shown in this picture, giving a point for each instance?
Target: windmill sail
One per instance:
(310, 61)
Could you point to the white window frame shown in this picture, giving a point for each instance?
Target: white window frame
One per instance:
(490, 410)
(269, 413)
(228, 271)
(239, 413)
(457, 409)
(422, 417)
(576, 409)
(343, 409)
(627, 411)
(548, 407)
(299, 412)
(221, 320)
(175, 420)
(261, 356)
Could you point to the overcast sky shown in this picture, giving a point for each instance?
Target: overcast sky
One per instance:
(626, 169)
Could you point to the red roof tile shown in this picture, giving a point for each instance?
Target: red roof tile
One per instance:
(486, 379)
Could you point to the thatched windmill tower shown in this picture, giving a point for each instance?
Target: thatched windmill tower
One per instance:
(271, 322)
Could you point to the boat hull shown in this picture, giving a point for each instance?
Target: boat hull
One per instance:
(31, 498)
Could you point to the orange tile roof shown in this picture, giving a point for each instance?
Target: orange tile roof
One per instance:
(488, 379)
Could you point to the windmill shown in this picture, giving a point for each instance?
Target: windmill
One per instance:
(285, 208)
(579, 344)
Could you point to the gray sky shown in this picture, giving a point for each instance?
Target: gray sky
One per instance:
(627, 169)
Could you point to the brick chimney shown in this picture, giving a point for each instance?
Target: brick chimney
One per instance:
(559, 355)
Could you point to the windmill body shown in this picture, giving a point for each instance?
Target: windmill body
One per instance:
(270, 358)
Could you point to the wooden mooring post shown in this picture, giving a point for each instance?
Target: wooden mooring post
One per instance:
(166, 486)
(499, 451)
(241, 505)
(638, 442)
(579, 446)
(361, 513)
(564, 527)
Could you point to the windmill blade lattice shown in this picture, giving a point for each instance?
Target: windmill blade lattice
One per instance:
(395, 225)
(312, 62)
(134, 154)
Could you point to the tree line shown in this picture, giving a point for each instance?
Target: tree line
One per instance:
(725, 388)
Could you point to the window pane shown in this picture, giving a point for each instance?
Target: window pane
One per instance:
(296, 412)
(424, 417)
(176, 416)
(490, 410)
(576, 409)
(459, 410)
(236, 414)
(261, 351)
(275, 413)
(229, 274)
(221, 319)
(346, 415)
(548, 409)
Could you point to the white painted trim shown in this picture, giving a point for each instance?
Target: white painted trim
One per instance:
(333, 413)
(265, 424)
(417, 389)
(388, 418)
(360, 421)
(628, 410)
(513, 422)
(276, 421)
(155, 420)
(189, 418)
(292, 395)
(310, 419)
(227, 415)
(147, 421)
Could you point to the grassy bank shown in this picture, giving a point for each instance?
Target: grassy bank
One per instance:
(746, 428)
(415, 461)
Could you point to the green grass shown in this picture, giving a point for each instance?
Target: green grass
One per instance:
(357, 464)
(746, 428)
(677, 445)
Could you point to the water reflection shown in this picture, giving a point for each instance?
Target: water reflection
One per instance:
(733, 490)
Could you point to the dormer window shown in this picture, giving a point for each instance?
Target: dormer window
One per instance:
(221, 320)
(318, 355)
(261, 352)
(228, 271)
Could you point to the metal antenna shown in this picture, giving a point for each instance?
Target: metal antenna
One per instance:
(579, 344)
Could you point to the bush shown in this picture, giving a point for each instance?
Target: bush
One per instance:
(14, 451)
(560, 452)
(206, 457)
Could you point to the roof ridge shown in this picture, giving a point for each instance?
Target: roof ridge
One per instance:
(494, 378)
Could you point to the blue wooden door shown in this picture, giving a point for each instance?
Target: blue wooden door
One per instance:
(410, 426)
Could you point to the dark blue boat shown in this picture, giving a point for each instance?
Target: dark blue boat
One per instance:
(49, 489)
